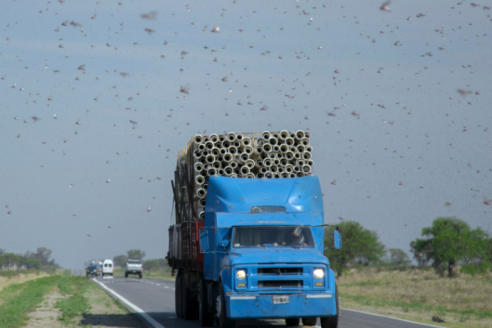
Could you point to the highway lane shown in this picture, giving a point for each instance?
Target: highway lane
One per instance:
(155, 297)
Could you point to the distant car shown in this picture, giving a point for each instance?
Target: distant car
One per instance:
(91, 271)
(107, 268)
(133, 267)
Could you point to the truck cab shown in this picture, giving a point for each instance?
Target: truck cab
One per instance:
(263, 242)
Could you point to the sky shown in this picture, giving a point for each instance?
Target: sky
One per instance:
(397, 102)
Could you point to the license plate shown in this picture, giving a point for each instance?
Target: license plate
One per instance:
(280, 299)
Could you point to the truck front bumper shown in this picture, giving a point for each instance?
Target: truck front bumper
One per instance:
(244, 306)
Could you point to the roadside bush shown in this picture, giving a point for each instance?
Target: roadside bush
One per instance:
(156, 264)
(66, 272)
(49, 269)
(479, 269)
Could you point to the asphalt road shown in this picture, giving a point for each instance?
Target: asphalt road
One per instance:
(153, 300)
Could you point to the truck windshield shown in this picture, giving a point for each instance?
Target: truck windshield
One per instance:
(273, 236)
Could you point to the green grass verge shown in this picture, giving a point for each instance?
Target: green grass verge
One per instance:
(65, 286)
(20, 298)
(75, 305)
(414, 306)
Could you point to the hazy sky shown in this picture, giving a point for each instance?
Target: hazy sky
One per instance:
(400, 147)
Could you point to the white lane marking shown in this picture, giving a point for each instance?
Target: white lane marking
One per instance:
(384, 316)
(157, 284)
(133, 306)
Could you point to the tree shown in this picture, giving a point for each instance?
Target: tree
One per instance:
(398, 257)
(489, 250)
(135, 254)
(358, 244)
(9, 259)
(422, 251)
(43, 254)
(33, 264)
(120, 260)
(449, 241)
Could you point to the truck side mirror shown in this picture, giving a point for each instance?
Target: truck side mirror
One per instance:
(203, 240)
(337, 238)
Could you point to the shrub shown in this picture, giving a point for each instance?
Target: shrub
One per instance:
(480, 269)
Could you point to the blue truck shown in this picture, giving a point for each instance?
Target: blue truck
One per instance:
(255, 253)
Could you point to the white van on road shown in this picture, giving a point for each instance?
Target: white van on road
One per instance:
(107, 268)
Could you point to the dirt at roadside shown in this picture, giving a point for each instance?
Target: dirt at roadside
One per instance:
(103, 312)
(46, 315)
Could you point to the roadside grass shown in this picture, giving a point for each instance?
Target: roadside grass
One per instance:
(76, 304)
(16, 277)
(418, 295)
(18, 299)
(79, 302)
(164, 273)
(69, 301)
(10, 274)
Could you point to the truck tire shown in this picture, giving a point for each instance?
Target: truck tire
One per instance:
(206, 319)
(177, 296)
(292, 321)
(309, 321)
(190, 303)
(140, 276)
(224, 321)
(126, 275)
(331, 321)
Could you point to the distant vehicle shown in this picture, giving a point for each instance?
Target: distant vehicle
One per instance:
(107, 268)
(99, 267)
(91, 271)
(133, 267)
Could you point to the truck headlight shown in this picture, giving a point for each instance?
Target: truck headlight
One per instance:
(240, 275)
(318, 273)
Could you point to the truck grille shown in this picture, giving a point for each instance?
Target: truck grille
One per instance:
(280, 283)
(279, 271)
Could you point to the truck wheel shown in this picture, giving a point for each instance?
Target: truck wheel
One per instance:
(190, 303)
(177, 296)
(224, 321)
(126, 275)
(206, 319)
(309, 321)
(140, 276)
(331, 321)
(292, 321)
